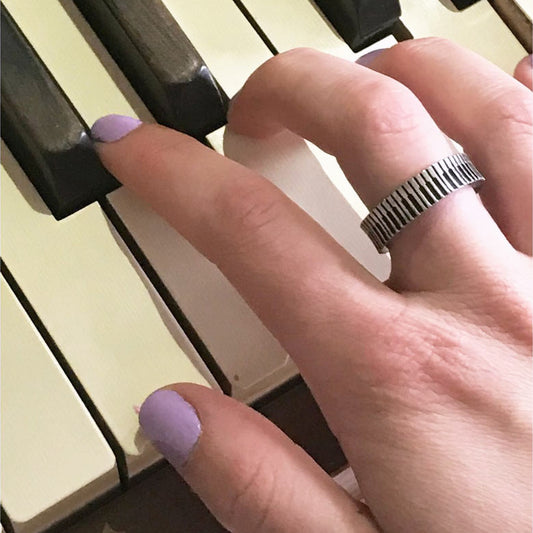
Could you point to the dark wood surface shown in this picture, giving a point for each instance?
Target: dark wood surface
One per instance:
(160, 502)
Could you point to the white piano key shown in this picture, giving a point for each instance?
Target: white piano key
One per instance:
(224, 38)
(346, 479)
(54, 458)
(479, 28)
(248, 354)
(81, 66)
(299, 23)
(95, 301)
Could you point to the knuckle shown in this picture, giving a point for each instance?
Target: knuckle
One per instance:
(295, 55)
(286, 61)
(391, 110)
(406, 49)
(159, 147)
(513, 111)
(253, 502)
(247, 208)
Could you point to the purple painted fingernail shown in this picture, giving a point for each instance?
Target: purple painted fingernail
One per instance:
(367, 59)
(171, 424)
(113, 127)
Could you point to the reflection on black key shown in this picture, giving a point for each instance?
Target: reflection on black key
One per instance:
(44, 132)
(160, 62)
(361, 22)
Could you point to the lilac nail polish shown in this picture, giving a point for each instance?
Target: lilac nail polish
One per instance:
(367, 59)
(171, 424)
(113, 127)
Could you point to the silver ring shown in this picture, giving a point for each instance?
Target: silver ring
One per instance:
(410, 199)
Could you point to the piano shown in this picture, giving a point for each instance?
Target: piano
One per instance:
(102, 302)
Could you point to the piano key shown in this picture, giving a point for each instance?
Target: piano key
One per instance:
(250, 369)
(463, 4)
(479, 28)
(254, 363)
(98, 306)
(361, 22)
(277, 19)
(54, 457)
(227, 41)
(46, 134)
(253, 360)
(346, 479)
(81, 66)
(297, 23)
(160, 62)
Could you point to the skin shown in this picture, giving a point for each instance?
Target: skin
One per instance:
(425, 380)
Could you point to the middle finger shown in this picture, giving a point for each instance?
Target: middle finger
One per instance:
(381, 136)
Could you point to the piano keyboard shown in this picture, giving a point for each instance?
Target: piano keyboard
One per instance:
(102, 302)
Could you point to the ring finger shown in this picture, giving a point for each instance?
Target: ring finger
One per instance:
(482, 108)
(381, 136)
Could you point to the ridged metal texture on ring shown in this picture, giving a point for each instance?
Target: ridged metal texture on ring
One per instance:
(416, 195)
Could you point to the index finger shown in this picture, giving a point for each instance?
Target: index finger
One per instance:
(292, 273)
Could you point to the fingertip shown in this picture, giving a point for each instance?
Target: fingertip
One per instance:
(367, 59)
(172, 424)
(111, 128)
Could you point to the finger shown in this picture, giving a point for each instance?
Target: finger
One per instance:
(291, 272)
(381, 136)
(482, 108)
(524, 72)
(249, 474)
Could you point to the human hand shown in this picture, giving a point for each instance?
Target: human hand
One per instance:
(425, 380)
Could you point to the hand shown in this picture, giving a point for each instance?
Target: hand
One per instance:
(425, 380)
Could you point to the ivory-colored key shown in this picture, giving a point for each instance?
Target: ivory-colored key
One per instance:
(248, 354)
(478, 27)
(98, 306)
(54, 458)
(299, 23)
(223, 37)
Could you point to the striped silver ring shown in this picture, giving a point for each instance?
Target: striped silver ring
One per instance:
(410, 199)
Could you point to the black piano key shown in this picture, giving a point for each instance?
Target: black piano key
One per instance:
(161, 63)
(361, 22)
(463, 4)
(44, 132)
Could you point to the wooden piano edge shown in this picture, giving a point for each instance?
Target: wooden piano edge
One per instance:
(158, 500)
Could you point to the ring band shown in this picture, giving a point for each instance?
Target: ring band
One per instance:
(410, 199)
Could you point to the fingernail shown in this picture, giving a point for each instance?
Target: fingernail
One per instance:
(171, 424)
(113, 128)
(367, 59)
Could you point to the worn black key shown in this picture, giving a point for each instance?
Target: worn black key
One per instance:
(44, 132)
(361, 22)
(160, 62)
